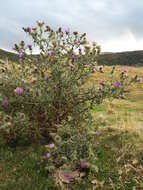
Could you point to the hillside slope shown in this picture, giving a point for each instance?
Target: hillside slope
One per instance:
(4, 55)
(132, 58)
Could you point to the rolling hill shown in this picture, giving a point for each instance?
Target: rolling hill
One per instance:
(4, 55)
(131, 58)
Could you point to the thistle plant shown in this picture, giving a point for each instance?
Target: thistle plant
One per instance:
(50, 89)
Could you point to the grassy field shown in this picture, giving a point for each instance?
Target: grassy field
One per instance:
(119, 150)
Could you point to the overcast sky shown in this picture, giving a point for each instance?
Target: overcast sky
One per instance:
(116, 25)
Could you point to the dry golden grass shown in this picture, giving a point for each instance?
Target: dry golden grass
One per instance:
(123, 114)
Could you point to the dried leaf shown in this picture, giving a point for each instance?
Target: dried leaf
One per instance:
(82, 174)
(118, 159)
(94, 182)
(135, 162)
(120, 172)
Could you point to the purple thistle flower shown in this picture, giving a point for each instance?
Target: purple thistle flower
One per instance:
(97, 134)
(73, 58)
(118, 84)
(29, 46)
(93, 70)
(102, 82)
(80, 50)
(19, 91)
(5, 104)
(21, 55)
(78, 41)
(89, 65)
(82, 165)
(55, 126)
(67, 30)
(27, 88)
(68, 177)
(125, 70)
(48, 155)
(49, 54)
(28, 29)
(52, 145)
(139, 80)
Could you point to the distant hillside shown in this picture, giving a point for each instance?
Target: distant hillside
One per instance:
(8, 55)
(132, 58)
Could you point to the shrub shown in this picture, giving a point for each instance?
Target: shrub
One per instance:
(50, 89)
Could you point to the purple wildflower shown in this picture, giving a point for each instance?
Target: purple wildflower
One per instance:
(29, 46)
(55, 126)
(78, 41)
(118, 84)
(73, 58)
(28, 29)
(93, 70)
(5, 104)
(102, 82)
(125, 71)
(67, 30)
(80, 50)
(97, 134)
(89, 65)
(27, 88)
(19, 91)
(68, 177)
(52, 145)
(82, 165)
(139, 80)
(21, 55)
(49, 54)
(48, 155)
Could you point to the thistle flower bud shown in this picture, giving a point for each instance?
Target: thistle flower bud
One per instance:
(21, 56)
(5, 103)
(19, 91)
(67, 30)
(28, 29)
(29, 46)
(73, 58)
(118, 84)
(102, 82)
(94, 70)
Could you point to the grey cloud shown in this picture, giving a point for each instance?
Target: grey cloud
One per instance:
(103, 21)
